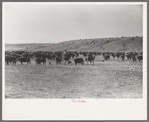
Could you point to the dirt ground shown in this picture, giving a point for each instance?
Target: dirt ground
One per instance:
(108, 79)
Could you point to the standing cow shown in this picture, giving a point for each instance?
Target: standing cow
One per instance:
(40, 60)
(79, 60)
(90, 58)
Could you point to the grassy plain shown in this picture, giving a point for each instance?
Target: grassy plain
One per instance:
(109, 79)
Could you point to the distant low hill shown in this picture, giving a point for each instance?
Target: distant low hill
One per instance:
(92, 45)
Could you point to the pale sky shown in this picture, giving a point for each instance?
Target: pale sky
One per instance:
(49, 23)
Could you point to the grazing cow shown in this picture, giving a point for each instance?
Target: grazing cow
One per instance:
(79, 60)
(40, 60)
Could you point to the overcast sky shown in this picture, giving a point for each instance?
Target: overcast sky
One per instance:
(49, 23)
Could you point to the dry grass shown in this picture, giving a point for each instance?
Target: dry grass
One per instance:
(110, 79)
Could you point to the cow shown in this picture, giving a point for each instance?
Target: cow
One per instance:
(10, 59)
(128, 55)
(106, 56)
(48, 55)
(7, 52)
(122, 55)
(40, 60)
(84, 54)
(67, 57)
(58, 59)
(18, 52)
(76, 54)
(90, 58)
(79, 60)
(38, 54)
(112, 54)
(23, 59)
(118, 54)
(134, 56)
(140, 57)
(53, 56)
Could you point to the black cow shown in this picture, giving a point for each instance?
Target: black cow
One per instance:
(134, 56)
(106, 56)
(91, 59)
(122, 56)
(18, 52)
(58, 59)
(16, 55)
(10, 59)
(67, 57)
(129, 55)
(79, 60)
(39, 54)
(112, 54)
(118, 54)
(140, 57)
(7, 52)
(48, 55)
(40, 60)
(53, 56)
(23, 59)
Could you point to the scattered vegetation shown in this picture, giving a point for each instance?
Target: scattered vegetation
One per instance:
(116, 44)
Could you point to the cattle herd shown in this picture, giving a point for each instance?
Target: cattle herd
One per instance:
(41, 56)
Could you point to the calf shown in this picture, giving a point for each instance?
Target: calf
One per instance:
(79, 60)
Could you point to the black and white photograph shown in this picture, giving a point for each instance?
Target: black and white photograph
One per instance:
(74, 51)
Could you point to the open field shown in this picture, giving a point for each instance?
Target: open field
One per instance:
(109, 79)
